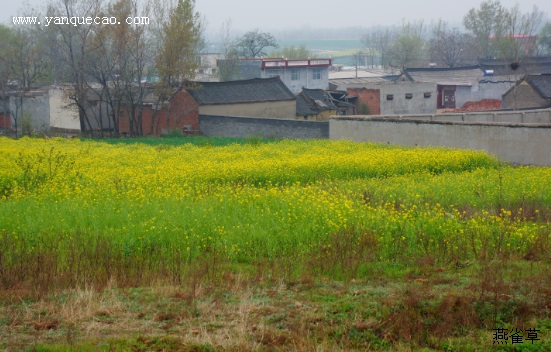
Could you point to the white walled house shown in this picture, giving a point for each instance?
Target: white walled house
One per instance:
(48, 107)
(296, 74)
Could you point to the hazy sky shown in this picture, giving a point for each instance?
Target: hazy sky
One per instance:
(276, 15)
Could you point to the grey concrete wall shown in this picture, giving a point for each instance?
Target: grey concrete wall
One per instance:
(528, 116)
(418, 103)
(243, 127)
(519, 143)
(36, 104)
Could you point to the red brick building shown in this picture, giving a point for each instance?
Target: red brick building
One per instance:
(182, 114)
(368, 99)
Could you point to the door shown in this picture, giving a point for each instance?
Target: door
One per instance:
(448, 98)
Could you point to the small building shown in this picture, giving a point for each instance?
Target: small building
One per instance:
(208, 70)
(345, 104)
(454, 85)
(258, 97)
(532, 91)
(394, 98)
(315, 104)
(457, 86)
(153, 117)
(268, 98)
(295, 74)
(42, 110)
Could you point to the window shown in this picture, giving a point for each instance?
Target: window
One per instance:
(295, 74)
(316, 73)
(409, 95)
(427, 94)
(273, 73)
(390, 97)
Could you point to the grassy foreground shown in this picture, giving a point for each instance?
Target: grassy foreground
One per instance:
(240, 245)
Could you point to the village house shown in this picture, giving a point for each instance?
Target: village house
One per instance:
(258, 97)
(261, 98)
(44, 109)
(532, 91)
(295, 74)
(490, 79)
(315, 104)
(384, 97)
(454, 86)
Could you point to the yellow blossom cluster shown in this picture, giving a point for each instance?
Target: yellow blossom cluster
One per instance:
(284, 199)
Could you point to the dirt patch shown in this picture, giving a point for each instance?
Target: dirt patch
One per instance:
(482, 105)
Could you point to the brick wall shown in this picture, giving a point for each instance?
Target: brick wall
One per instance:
(6, 118)
(369, 97)
(184, 116)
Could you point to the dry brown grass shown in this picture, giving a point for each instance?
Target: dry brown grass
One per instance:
(244, 313)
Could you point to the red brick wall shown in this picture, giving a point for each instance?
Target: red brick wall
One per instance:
(7, 117)
(370, 97)
(184, 116)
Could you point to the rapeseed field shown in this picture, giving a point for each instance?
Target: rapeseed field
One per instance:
(77, 212)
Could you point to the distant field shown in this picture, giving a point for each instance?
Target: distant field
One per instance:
(342, 51)
(204, 244)
(335, 45)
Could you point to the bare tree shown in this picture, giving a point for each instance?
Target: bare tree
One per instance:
(518, 42)
(72, 42)
(485, 23)
(407, 46)
(253, 43)
(5, 74)
(517, 38)
(449, 46)
(228, 68)
(181, 38)
(131, 55)
(382, 41)
(28, 64)
(544, 40)
(369, 42)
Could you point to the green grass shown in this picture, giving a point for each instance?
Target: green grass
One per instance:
(201, 141)
(254, 244)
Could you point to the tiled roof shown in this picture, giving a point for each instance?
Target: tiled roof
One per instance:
(445, 76)
(304, 108)
(542, 84)
(247, 91)
(527, 65)
(314, 101)
(344, 82)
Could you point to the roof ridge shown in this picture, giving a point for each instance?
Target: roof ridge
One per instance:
(433, 69)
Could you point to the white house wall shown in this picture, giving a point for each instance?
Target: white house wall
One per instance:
(306, 78)
(62, 115)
